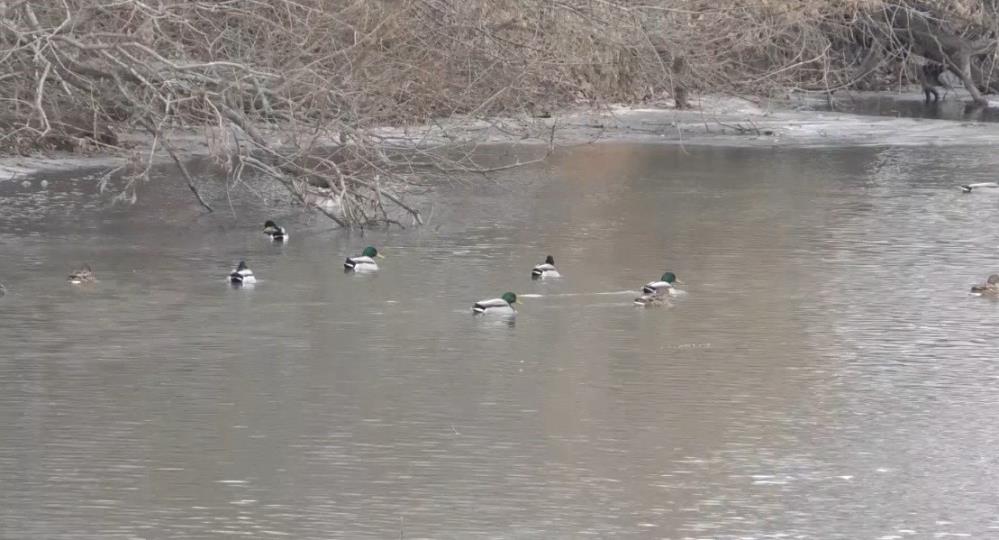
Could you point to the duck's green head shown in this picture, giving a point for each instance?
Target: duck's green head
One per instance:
(509, 297)
(993, 279)
(549, 260)
(669, 277)
(370, 251)
(270, 224)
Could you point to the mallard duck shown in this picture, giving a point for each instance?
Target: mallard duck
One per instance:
(3, 290)
(242, 275)
(498, 306)
(653, 300)
(82, 275)
(663, 286)
(365, 262)
(546, 269)
(275, 232)
(990, 287)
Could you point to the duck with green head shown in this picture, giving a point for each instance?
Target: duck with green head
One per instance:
(496, 306)
(275, 232)
(242, 275)
(546, 269)
(365, 262)
(665, 285)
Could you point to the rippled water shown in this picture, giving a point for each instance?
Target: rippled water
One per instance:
(828, 376)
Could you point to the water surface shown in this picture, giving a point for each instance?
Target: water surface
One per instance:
(827, 376)
(952, 106)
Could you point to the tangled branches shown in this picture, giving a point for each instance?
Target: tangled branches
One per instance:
(296, 90)
(269, 77)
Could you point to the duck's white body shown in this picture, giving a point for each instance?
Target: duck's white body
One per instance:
(278, 235)
(275, 232)
(360, 264)
(660, 287)
(242, 277)
(494, 306)
(545, 270)
(653, 300)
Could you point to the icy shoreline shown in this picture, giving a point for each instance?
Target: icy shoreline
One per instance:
(716, 121)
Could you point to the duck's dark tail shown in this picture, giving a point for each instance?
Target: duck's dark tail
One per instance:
(966, 189)
(349, 264)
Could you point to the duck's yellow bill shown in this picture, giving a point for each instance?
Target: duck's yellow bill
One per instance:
(380, 256)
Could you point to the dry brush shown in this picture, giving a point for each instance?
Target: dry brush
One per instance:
(296, 91)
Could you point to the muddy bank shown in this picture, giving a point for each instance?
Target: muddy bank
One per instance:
(714, 121)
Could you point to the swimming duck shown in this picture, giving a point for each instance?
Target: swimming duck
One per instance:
(545, 269)
(663, 286)
(966, 188)
(989, 288)
(82, 275)
(276, 233)
(3, 290)
(498, 306)
(365, 262)
(653, 300)
(242, 275)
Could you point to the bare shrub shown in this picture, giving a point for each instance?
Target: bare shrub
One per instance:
(295, 90)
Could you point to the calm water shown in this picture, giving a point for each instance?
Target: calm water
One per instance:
(826, 377)
(953, 106)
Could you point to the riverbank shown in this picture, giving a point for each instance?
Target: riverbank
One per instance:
(717, 121)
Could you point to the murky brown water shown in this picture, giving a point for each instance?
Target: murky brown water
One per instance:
(826, 377)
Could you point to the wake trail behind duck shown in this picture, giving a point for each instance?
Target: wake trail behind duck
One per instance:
(564, 295)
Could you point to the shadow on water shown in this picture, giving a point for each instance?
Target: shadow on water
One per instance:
(952, 107)
(826, 376)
